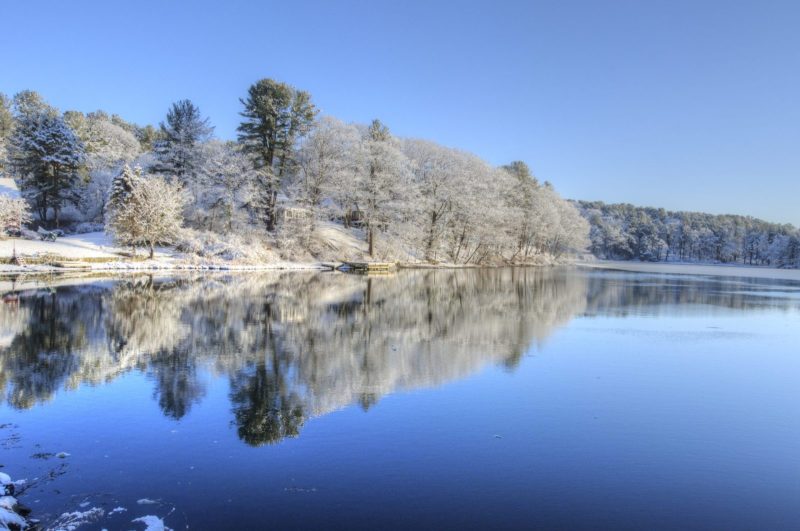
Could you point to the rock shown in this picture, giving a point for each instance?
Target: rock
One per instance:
(11, 520)
(7, 487)
(8, 502)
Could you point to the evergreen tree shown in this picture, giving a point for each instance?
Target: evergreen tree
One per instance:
(275, 116)
(179, 149)
(148, 137)
(47, 156)
(521, 171)
(6, 126)
(122, 186)
(30, 103)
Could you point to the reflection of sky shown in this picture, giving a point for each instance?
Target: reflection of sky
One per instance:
(673, 418)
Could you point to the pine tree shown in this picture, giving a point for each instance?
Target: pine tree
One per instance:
(122, 186)
(47, 156)
(6, 126)
(179, 147)
(275, 116)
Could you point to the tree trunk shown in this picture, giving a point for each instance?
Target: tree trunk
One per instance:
(431, 237)
(272, 202)
(152, 250)
(371, 238)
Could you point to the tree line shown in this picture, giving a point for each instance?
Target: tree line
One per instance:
(289, 175)
(627, 232)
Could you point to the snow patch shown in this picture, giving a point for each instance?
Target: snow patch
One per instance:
(73, 520)
(146, 501)
(9, 518)
(8, 502)
(152, 523)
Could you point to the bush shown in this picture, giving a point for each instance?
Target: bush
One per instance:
(14, 213)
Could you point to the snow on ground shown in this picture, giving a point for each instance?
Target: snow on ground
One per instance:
(8, 186)
(89, 245)
(10, 518)
(99, 247)
(695, 269)
(342, 241)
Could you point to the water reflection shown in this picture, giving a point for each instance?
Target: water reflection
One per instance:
(296, 345)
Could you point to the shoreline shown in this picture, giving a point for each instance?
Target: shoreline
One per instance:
(89, 265)
(700, 269)
(79, 267)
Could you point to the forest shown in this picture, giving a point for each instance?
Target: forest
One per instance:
(627, 232)
(292, 185)
(295, 185)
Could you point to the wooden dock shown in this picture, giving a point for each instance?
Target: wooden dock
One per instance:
(367, 267)
(76, 265)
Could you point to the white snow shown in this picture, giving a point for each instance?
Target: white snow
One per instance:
(8, 186)
(73, 520)
(99, 245)
(5, 479)
(146, 501)
(89, 245)
(340, 240)
(9, 518)
(8, 502)
(152, 523)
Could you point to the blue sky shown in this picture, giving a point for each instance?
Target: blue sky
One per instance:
(691, 105)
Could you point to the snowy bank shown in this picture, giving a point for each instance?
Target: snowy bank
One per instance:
(96, 251)
(13, 515)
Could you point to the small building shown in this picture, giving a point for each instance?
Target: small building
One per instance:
(289, 213)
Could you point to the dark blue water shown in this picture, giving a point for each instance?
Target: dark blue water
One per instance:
(512, 398)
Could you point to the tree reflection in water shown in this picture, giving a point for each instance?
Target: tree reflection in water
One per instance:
(296, 345)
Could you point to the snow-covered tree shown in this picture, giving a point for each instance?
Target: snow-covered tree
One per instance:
(107, 144)
(226, 189)
(179, 150)
(641, 233)
(31, 103)
(382, 188)
(436, 175)
(122, 186)
(14, 213)
(151, 214)
(275, 116)
(327, 158)
(46, 156)
(6, 126)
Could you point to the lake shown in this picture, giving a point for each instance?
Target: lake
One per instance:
(435, 399)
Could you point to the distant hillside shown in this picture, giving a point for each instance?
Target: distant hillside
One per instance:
(628, 232)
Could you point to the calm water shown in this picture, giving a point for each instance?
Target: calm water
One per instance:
(498, 399)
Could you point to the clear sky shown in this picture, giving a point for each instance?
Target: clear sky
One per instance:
(691, 105)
